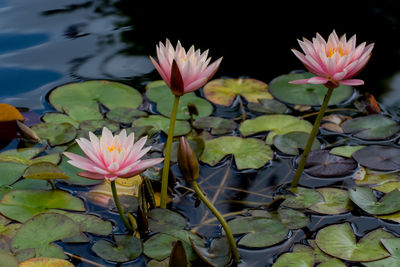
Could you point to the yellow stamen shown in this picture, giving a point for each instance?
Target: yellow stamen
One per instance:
(111, 148)
(339, 49)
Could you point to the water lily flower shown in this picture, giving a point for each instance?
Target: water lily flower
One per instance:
(111, 156)
(334, 62)
(184, 72)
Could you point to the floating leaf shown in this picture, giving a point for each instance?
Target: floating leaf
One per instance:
(7, 232)
(159, 246)
(393, 246)
(46, 262)
(217, 125)
(224, 91)
(71, 171)
(21, 155)
(94, 125)
(44, 171)
(295, 259)
(338, 240)
(275, 124)
(320, 163)
(217, 255)
(55, 133)
(268, 106)
(380, 158)
(21, 205)
(10, 172)
(371, 127)
(248, 152)
(56, 117)
(365, 199)
(292, 219)
(345, 151)
(197, 143)
(81, 100)
(302, 198)
(259, 232)
(159, 93)
(164, 220)
(306, 94)
(40, 231)
(126, 248)
(7, 259)
(336, 201)
(125, 115)
(291, 142)
(160, 123)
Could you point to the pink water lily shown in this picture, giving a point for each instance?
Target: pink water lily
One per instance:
(184, 72)
(111, 156)
(334, 62)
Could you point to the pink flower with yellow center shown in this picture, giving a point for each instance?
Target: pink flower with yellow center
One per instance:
(111, 156)
(184, 72)
(333, 62)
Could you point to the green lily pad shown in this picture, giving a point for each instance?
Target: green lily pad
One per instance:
(21, 155)
(259, 232)
(94, 125)
(8, 259)
(338, 240)
(55, 133)
(336, 201)
(291, 142)
(164, 220)
(380, 158)
(276, 125)
(248, 152)
(292, 219)
(161, 123)
(217, 125)
(320, 163)
(306, 94)
(40, 231)
(345, 151)
(56, 117)
(365, 199)
(21, 205)
(10, 172)
(371, 127)
(159, 246)
(387, 187)
(71, 171)
(81, 100)
(159, 93)
(224, 91)
(125, 115)
(295, 259)
(270, 106)
(23, 184)
(302, 198)
(126, 248)
(217, 255)
(7, 232)
(44, 171)
(197, 144)
(332, 263)
(393, 246)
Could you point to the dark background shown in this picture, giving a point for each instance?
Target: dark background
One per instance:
(255, 38)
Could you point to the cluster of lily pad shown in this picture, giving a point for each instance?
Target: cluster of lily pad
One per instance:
(241, 119)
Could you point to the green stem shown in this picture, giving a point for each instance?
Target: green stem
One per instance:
(220, 218)
(119, 207)
(311, 138)
(165, 173)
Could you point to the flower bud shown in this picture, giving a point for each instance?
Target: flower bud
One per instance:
(187, 161)
(177, 86)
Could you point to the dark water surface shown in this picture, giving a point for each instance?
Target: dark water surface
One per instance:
(47, 43)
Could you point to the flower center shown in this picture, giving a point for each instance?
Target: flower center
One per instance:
(114, 147)
(342, 52)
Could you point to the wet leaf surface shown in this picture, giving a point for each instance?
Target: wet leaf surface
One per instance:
(161, 123)
(295, 259)
(302, 198)
(291, 142)
(268, 106)
(336, 201)
(248, 152)
(217, 125)
(10, 172)
(306, 94)
(55, 133)
(338, 240)
(125, 115)
(345, 151)
(125, 248)
(164, 220)
(393, 246)
(224, 91)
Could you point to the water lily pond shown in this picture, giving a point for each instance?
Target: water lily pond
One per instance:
(71, 68)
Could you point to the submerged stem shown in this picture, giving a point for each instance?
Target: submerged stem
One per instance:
(164, 179)
(220, 218)
(311, 138)
(119, 207)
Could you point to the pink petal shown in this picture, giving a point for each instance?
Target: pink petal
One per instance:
(318, 80)
(352, 82)
(302, 81)
(91, 175)
(143, 165)
(79, 161)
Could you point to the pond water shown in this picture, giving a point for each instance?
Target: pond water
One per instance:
(45, 44)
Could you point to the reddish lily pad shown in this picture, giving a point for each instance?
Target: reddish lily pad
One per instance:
(365, 199)
(224, 91)
(306, 94)
(338, 240)
(248, 152)
(320, 163)
(371, 127)
(380, 158)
